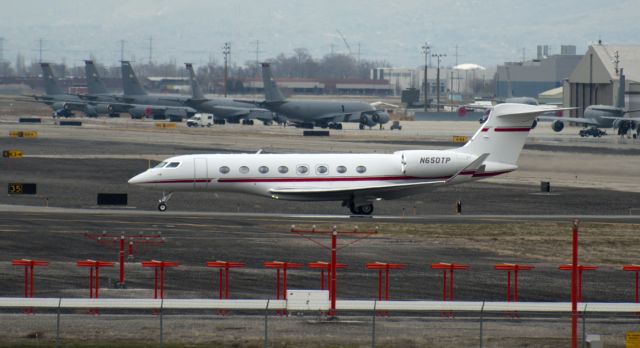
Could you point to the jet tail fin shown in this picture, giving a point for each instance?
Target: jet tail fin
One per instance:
(51, 86)
(130, 83)
(94, 82)
(504, 133)
(621, 91)
(196, 92)
(271, 91)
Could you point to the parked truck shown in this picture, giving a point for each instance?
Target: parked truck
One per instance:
(200, 120)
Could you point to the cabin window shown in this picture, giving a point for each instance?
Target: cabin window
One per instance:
(224, 169)
(244, 169)
(283, 169)
(173, 165)
(322, 169)
(341, 169)
(160, 165)
(263, 169)
(361, 169)
(302, 169)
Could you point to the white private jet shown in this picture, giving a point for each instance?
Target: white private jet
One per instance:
(355, 179)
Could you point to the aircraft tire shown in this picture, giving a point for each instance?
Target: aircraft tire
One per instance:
(366, 209)
(162, 206)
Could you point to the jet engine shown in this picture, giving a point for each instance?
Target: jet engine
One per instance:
(90, 111)
(103, 109)
(557, 126)
(61, 110)
(141, 111)
(373, 118)
(367, 120)
(61, 106)
(380, 117)
(624, 126)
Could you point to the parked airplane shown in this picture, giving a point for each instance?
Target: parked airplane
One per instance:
(143, 104)
(322, 113)
(355, 179)
(98, 96)
(602, 116)
(63, 104)
(224, 109)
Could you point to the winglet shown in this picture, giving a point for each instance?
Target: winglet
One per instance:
(472, 167)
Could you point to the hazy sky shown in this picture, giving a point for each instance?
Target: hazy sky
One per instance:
(487, 31)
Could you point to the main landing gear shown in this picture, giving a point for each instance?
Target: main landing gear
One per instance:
(162, 203)
(365, 209)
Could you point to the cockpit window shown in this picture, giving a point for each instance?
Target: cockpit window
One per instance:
(173, 165)
(160, 165)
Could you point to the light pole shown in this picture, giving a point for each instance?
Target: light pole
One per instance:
(438, 57)
(226, 50)
(425, 50)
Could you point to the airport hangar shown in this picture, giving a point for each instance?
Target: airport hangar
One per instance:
(595, 79)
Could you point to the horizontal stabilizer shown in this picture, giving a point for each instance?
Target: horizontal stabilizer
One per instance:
(471, 168)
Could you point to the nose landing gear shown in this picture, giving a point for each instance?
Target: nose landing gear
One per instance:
(162, 203)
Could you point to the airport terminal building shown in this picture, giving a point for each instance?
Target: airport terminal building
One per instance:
(530, 78)
(596, 78)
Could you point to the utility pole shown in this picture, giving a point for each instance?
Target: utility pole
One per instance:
(150, 50)
(438, 57)
(457, 73)
(40, 49)
(122, 50)
(226, 50)
(258, 51)
(425, 50)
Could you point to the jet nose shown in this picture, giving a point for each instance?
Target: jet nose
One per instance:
(137, 179)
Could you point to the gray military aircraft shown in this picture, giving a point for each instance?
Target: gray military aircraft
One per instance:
(602, 116)
(98, 96)
(224, 109)
(63, 104)
(308, 113)
(141, 104)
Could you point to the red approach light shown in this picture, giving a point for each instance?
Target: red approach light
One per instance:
(284, 266)
(380, 267)
(462, 111)
(223, 275)
(158, 268)
(148, 112)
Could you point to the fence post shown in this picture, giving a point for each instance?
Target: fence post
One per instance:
(481, 322)
(266, 330)
(373, 329)
(58, 324)
(161, 324)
